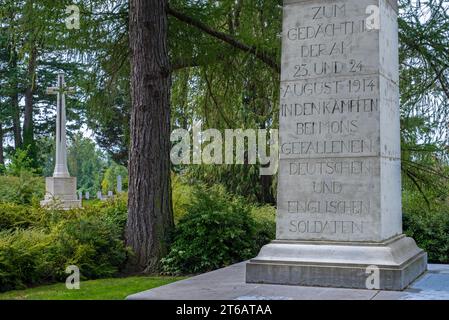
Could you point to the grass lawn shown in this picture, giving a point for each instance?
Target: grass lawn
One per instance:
(104, 289)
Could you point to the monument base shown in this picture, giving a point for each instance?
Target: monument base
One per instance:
(61, 193)
(339, 264)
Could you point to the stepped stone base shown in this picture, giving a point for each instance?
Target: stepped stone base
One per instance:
(61, 193)
(339, 264)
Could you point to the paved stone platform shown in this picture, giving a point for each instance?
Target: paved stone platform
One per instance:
(229, 284)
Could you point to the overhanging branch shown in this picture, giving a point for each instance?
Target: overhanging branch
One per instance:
(259, 54)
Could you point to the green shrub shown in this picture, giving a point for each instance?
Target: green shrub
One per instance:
(24, 189)
(91, 238)
(14, 216)
(265, 225)
(217, 230)
(429, 226)
(22, 258)
(91, 243)
(182, 194)
(116, 211)
(20, 162)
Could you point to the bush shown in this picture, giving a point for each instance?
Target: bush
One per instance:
(429, 226)
(116, 211)
(265, 224)
(217, 230)
(91, 243)
(13, 216)
(24, 189)
(22, 258)
(91, 238)
(20, 162)
(182, 194)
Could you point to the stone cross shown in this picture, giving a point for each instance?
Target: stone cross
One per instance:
(61, 143)
(119, 184)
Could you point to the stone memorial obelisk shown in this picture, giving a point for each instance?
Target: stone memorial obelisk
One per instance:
(339, 216)
(61, 188)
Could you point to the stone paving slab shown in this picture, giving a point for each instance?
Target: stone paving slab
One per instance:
(229, 284)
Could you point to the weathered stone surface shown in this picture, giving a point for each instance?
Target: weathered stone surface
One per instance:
(333, 264)
(61, 192)
(339, 123)
(340, 167)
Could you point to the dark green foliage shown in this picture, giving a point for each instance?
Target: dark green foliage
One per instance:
(24, 189)
(37, 245)
(92, 243)
(116, 212)
(22, 258)
(265, 224)
(424, 86)
(429, 226)
(20, 163)
(217, 230)
(14, 216)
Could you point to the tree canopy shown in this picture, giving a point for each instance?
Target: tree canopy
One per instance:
(225, 58)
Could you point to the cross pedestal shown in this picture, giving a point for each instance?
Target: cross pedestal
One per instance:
(61, 188)
(61, 193)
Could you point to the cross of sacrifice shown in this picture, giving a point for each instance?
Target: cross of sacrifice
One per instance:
(61, 146)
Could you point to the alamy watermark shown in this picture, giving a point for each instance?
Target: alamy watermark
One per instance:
(373, 279)
(373, 20)
(73, 20)
(73, 280)
(236, 146)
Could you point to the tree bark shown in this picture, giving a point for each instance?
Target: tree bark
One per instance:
(150, 214)
(17, 132)
(28, 127)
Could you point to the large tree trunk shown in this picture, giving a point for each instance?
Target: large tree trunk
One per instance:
(15, 108)
(28, 127)
(150, 215)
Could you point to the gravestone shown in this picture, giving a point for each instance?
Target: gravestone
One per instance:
(80, 195)
(110, 194)
(339, 214)
(119, 184)
(61, 188)
(99, 195)
(87, 195)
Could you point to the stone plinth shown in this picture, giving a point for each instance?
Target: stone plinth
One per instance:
(338, 264)
(61, 193)
(339, 184)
